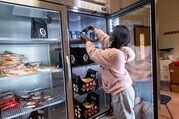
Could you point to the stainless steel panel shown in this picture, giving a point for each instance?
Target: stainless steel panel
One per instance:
(65, 34)
(36, 3)
(158, 55)
(102, 2)
(86, 5)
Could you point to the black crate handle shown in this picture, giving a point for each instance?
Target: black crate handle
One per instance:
(93, 97)
(91, 74)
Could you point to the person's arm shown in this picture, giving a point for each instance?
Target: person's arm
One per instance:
(103, 37)
(129, 53)
(101, 57)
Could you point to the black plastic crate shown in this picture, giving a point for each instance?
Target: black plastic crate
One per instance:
(87, 108)
(87, 84)
(79, 56)
(74, 56)
(83, 57)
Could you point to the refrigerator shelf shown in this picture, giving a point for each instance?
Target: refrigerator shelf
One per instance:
(36, 73)
(79, 41)
(58, 98)
(28, 40)
(86, 65)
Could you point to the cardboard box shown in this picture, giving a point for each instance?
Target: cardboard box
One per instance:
(164, 64)
(175, 88)
(164, 75)
(174, 73)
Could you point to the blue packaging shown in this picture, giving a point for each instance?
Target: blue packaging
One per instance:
(73, 34)
(78, 34)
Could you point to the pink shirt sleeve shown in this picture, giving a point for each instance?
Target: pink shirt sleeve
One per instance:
(101, 57)
(103, 37)
(129, 53)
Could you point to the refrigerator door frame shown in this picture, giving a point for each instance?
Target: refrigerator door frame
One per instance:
(155, 58)
(81, 12)
(65, 42)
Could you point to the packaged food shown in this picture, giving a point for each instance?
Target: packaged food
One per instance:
(78, 35)
(73, 34)
(8, 101)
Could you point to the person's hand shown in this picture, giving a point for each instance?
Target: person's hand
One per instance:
(84, 37)
(88, 28)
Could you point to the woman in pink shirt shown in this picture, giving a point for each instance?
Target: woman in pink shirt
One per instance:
(115, 78)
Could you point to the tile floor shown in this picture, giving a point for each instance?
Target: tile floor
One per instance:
(172, 105)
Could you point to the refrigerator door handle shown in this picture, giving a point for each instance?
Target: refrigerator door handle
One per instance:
(69, 90)
(68, 70)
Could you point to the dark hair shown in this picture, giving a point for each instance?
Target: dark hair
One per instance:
(120, 36)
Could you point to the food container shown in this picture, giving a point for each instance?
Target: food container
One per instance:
(73, 35)
(88, 107)
(92, 36)
(86, 84)
(8, 101)
(78, 35)
(176, 62)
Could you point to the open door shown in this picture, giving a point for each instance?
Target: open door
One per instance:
(139, 19)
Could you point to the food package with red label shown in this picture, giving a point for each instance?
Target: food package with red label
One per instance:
(8, 101)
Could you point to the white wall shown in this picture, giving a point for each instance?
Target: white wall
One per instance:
(168, 14)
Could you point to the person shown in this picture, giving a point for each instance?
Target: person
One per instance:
(115, 78)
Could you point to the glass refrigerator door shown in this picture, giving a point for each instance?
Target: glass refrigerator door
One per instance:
(90, 100)
(32, 81)
(141, 69)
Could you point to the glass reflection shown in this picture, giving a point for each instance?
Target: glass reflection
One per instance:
(140, 69)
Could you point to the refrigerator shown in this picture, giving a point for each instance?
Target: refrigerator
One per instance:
(33, 73)
(46, 72)
(139, 18)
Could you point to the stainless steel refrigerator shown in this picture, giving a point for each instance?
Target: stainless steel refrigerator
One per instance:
(33, 78)
(139, 18)
(45, 70)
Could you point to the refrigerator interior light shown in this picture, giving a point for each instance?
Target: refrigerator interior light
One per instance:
(75, 8)
(110, 25)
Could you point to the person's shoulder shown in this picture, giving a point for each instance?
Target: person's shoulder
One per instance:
(114, 51)
(127, 49)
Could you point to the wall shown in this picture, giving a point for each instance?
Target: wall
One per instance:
(118, 4)
(168, 18)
